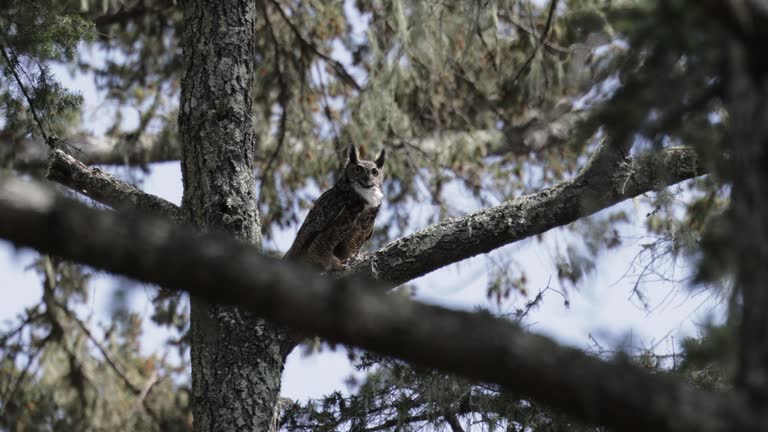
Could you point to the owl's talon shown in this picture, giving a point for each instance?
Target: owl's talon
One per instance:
(335, 264)
(340, 265)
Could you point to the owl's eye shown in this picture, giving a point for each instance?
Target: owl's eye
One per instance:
(375, 172)
(358, 169)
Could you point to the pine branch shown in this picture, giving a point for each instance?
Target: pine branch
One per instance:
(12, 64)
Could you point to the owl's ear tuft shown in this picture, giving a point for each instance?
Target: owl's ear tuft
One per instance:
(354, 156)
(380, 160)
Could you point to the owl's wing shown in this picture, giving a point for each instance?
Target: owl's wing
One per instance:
(326, 209)
(369, 234)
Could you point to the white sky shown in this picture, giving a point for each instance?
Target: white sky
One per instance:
(600, 307)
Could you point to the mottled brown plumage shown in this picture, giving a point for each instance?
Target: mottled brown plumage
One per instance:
(341, 220)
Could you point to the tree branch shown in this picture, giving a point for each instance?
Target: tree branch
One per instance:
(217, 268)
(389, 424)
(141, 393)
(607, 180)
(106, 188)
(532, 132)
(32, 153)
(453, 422)
(336, 65)
(539, 41)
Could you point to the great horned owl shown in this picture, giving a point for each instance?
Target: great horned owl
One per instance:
(341, 220)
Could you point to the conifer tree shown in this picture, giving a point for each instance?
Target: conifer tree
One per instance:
(550, 112)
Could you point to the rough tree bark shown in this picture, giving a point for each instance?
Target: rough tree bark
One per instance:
(106, 188)
(237, 359)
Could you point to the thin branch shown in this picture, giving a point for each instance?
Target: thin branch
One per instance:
(453, 422)
(77, 376)
(106, 188)
(400, 421)
(32, 315)
(284, 99)
(141, 393)
(99, 346)
(153, 379)
(515, 22)
(541, 40)
(12, 67)
(32, 153)
(218, 269)
(339, 68)
(9, 397)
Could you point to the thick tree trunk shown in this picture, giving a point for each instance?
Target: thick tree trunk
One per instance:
(236, 358)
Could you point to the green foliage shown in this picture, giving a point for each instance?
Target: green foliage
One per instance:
(33, 34)
(44, 29)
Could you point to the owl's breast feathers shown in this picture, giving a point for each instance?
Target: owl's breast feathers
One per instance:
(338, 224)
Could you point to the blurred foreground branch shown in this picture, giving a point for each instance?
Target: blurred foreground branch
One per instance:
(219, 269)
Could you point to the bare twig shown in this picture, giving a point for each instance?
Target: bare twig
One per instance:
(140, 392)
(339, 68)
(32, 315)
(541, 40)
(515, 22)
(99, 346)
(284, 99)
(24, 371)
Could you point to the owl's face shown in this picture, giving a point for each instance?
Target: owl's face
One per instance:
(368, 174)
